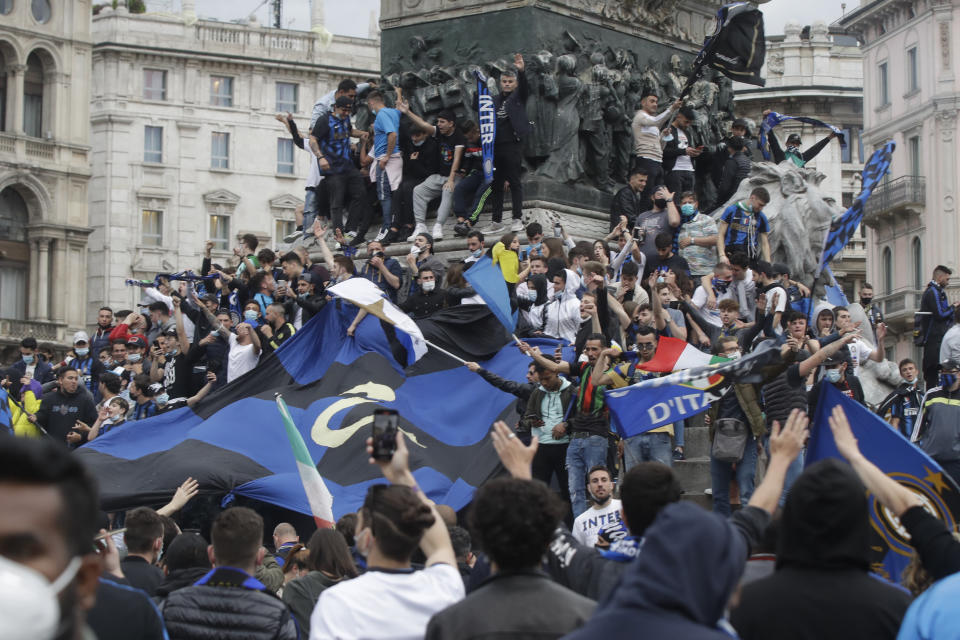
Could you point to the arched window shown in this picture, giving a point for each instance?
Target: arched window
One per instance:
(917, 256)
(3, 89)
(887, 264)
(15, 259)
(41, 10)
(33, 97)
(6, 6)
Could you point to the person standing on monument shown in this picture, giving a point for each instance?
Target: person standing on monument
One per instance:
(512, 126)
(646, 140)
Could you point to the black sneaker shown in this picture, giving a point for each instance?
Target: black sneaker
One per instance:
(461, 229)
(678, 454)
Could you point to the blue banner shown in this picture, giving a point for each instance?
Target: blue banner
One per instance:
(843, 228)
(6, 416)
(487, 280)
(487, 117)
(773, 119)
(885, 447)
(834, 292)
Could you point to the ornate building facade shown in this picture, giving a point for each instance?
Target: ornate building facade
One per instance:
(185, 145)
(44, 167)
(911, 70)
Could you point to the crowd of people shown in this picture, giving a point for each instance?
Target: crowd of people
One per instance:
(588, 535)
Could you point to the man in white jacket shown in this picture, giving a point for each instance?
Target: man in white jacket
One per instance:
(647, 149)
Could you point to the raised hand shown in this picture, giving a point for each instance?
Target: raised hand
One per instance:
(515, 456)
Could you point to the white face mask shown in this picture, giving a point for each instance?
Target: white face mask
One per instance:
(28, 603)
(428, 285)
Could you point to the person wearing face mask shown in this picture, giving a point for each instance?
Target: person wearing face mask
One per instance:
(142, 392)
(697, 240)
(835, 373)
(29, 365)
(61, 408)
(382, 271)
(48, 514)
(89, 367)
(251, 314)
(558, 317)
(664, 217)
(308, 300)
(136, 364)
(902, 406)
(873, 311)
(427, 297)
(937, 429)
(474, 246)
(22, 402)
(421, 159)
(394, 520)
(421, 257)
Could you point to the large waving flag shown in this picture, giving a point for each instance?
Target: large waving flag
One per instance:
(736, 48)
(6, 416)
(653, 403)
(899, 459)
(773, 119)
(232, 444)
(487, 280)
(843, 228)
(371, 298)
(674, 354)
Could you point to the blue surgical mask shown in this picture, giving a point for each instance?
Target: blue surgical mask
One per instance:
(28, 359)
(81, 351)
(133, 358)
(477, 253)
(947, 380)
(832, 375)
(688, 209)
(163, 398)
(250, 314)
(536, 247)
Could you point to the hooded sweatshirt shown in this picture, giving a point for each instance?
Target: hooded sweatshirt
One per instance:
(692, 560)
(822, 589)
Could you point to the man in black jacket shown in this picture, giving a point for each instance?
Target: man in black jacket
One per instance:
(62, 408)
(680, 154)
(512, 126)
(937, 317)
(426, 298)
(736, 167)
(629, 202)
(514, 520)
(144, 540)
(420, 160)
(229, 591)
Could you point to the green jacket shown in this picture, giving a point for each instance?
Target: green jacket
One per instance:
(749, 401)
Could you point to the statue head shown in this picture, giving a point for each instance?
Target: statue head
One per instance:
(675, 64)
(596, 58)
(567, 63)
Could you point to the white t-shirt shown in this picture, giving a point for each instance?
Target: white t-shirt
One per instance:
(859, 353)
(699, 300)
(589, 523)
(382, 604)
(242, 358)
(782, 297)
(683, 162)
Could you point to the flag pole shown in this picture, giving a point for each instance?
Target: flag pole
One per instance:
(445, 352)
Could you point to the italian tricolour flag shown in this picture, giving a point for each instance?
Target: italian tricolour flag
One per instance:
(319, 497)
(675, 355)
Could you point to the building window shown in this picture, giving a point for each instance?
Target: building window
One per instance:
(3, 91)
(15, 260)
(220, 150)
(153, 144)
(33, 97)
(847, 147)
(41, 10)
(287, 97)
(916, 249)
(913, 72)
(283, 228)
(220, 231)
(884, 89)
(221, 91)
(151, 223)
(6, 6)
(285, 156)
(154, 84)
(913, 147)
(887, 265)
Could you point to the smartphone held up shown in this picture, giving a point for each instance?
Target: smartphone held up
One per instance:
(384, 433)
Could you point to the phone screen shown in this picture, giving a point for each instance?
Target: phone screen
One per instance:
(384, 433)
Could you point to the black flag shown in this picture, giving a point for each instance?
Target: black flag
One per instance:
(737, 47)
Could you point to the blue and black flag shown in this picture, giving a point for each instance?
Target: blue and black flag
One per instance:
(737, 47)
(233, 442)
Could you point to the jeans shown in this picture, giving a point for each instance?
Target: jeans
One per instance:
(647, 447)
(678, 428)
(793, 471)
(582, 455)
(309, 211)
(469, 196)
(507, 158)
(427, 191)
(722, 472)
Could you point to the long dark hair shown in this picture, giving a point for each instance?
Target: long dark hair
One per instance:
(329, 553)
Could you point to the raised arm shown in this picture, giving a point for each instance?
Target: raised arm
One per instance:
(181, 334)
(539, 358)
(404, 107)
(809, 365)
(320, 232)
(785, 445)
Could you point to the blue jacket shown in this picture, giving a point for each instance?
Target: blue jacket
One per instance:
(692, 560)
(43, 373)
(934, 614)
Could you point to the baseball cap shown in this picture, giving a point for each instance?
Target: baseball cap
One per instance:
(949, 365)
(447, 115)
(307, 277)
(793, 137)
(343, 102)
(780, 269)
(80, 336)
(170, 332)
(741, 122)
(136, 341)
(835, 358)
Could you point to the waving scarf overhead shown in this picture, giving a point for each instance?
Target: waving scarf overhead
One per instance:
(235, 441)
(773, 119)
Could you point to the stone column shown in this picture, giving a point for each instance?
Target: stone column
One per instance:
(58, 280)
(33, 299)
(42, 283)
(189, 12)
(15, 73)
(317, 17)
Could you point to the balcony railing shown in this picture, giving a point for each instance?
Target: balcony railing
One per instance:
(901, 192)
(899, 307)
(16, 330)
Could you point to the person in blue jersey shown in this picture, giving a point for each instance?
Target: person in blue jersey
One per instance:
(387, 170)
(87, 364)
(743, 227)
(330, 142)
(903, 404)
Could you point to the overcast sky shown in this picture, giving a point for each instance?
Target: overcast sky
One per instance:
(352, 18)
